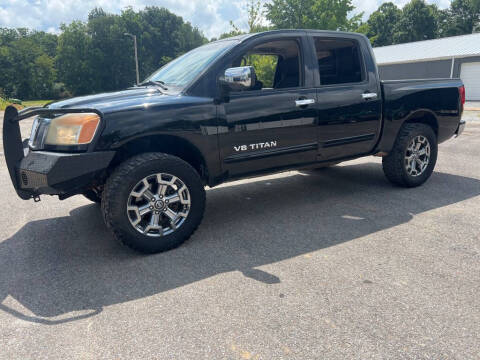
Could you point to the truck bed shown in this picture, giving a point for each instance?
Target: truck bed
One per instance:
(436, 100)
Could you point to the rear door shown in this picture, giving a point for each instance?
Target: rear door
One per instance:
(274, 125)
(348, 97)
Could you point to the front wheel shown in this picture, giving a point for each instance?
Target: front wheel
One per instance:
(413, 157)
(153, 202)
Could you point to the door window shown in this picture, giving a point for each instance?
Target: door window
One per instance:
(265, 67)
(339, 61)
(277, 64)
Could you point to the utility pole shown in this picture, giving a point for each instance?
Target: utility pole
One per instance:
(136, 55)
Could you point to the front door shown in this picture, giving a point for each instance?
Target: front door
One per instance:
(273, 125)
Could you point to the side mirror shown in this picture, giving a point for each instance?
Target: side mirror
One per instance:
(239, 78)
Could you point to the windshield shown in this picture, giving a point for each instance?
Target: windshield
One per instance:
(181, 71)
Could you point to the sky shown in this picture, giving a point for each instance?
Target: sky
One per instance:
(210, 16)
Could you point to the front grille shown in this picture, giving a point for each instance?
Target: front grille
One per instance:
(32, 180)
(38, 133)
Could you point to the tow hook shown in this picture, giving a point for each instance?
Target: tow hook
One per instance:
(36, 198)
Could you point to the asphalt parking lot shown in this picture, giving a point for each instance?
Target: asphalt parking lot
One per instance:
(329, 264)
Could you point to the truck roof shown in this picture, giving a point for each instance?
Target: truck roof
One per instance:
(244, 37)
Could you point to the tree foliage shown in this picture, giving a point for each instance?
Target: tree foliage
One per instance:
(264, 65)
(417, 22)
(420, 21)
(75, 57)
(312, 14)
(463, 17)
(255, 21)
(95, 55)
(27, 63)
(91, 56)
(381, 23)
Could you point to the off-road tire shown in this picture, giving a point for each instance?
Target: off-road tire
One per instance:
(121, 182)
(394, 163)
(93, 196)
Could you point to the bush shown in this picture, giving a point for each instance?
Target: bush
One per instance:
(60, 91)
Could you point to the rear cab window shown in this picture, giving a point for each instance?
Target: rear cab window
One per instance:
(339, 61)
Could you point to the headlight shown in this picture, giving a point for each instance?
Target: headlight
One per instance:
(72, 129)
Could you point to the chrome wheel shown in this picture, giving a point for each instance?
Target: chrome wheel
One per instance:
(158, 205)
(417, 156)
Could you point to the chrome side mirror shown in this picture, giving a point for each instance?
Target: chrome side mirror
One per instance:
(239, 78)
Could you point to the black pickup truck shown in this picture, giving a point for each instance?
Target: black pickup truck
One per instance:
(234, 108)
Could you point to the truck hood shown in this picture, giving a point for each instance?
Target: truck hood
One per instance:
(111, 101)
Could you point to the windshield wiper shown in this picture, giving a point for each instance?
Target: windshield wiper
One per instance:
(158, 83)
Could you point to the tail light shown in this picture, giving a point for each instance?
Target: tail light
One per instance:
(461, 92)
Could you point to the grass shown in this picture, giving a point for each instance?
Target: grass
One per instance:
(3, 104)
(27, 103)
(35, 102)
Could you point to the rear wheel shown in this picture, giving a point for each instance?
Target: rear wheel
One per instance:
(153, 202)
(413, 157)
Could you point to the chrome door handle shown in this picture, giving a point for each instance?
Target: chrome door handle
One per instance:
(368, 96)
(304, 102)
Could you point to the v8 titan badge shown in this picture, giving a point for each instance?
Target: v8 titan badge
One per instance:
(257, 146)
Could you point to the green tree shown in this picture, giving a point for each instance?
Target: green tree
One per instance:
(264, 65)
(97, 56)
(463, 17)
(112, 62)
(43, 77)
(26, 60)
(417, 22)
(8, 35)
(312, 14)
(381, 24)
(161, 36)
(255, 21)
(47, 42)
(6, 74)
(75, 57)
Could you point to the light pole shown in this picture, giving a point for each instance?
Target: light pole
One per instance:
(136, 56)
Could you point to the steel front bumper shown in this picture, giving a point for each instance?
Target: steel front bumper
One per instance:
(41, 172)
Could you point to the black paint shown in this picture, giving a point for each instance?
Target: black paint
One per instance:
(340, 125)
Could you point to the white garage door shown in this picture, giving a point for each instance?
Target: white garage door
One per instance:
(470, 75)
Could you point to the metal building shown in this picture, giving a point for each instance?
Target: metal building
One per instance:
(452, 57)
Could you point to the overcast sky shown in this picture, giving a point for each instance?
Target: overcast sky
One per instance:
(211, 16)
